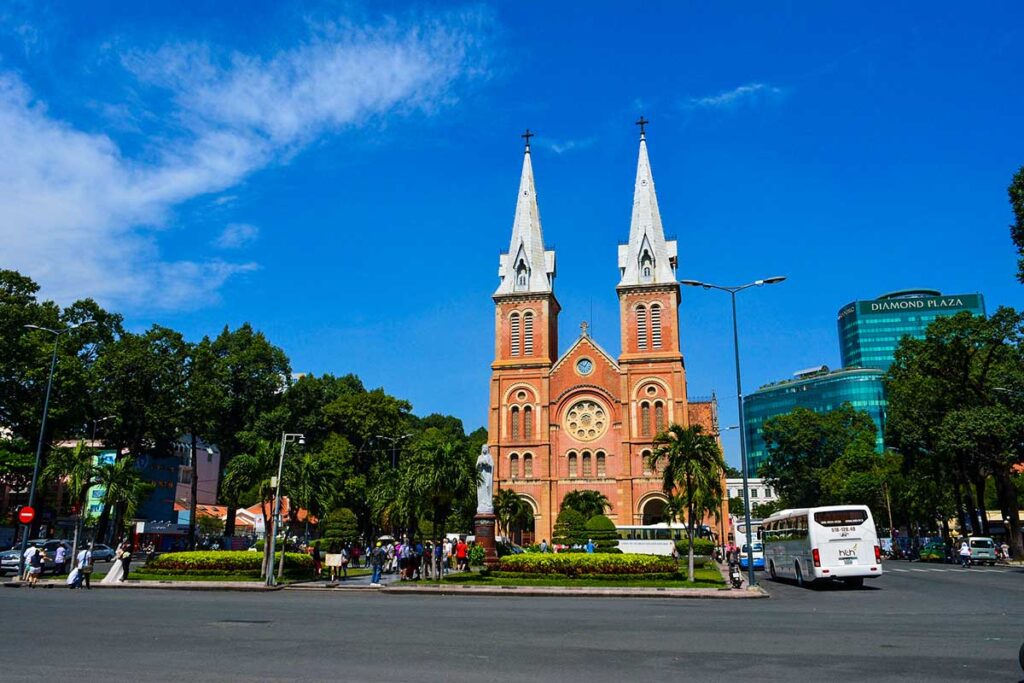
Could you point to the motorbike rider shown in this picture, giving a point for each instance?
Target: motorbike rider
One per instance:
(732, 558)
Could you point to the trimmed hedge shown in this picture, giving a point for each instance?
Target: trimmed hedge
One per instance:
(654, 576)
(701, 546)
(577, 564)
(222, 561)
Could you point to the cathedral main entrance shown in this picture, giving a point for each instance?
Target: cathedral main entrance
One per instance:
(653, 511)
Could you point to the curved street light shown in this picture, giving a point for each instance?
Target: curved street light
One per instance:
(751, 579)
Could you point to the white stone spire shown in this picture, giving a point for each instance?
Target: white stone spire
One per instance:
(648, 258)
(527, 267)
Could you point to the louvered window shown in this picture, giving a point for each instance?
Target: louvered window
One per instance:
(515, 423)
(659, 416)
(645, 456)
(641, 327)
(528, 466)
(573, 466)
(600, 465)
(513, 465)
(514, 325)
(655, 326)
(528, 422)
(645, 419)
(528, 334)
(586, 464)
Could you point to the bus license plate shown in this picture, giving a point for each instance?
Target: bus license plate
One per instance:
(848, 560)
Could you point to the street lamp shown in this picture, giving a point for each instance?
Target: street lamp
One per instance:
(394, 446)
(42, 427)
(285, 440)
(751, 580)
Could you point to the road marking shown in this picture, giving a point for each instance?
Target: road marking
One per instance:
(893, 569)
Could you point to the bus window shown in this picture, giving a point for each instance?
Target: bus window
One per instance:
(841, 517)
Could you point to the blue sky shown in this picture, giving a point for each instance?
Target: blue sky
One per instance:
(344, 177)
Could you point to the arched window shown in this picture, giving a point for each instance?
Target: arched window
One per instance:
(527, 422)
(522, 276)
(655, 326)
(513, 322)
(659, 416)
(645, 457)
(528, 466)
(645, 419)
(600, 464)
(528, 333)
(513, 465)
(515, 422)
(646, 266)
(573, 466)
(586, 464)
(641, 327)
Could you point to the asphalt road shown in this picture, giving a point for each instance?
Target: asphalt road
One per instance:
(916, 623)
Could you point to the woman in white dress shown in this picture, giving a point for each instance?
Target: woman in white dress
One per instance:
(117, 570)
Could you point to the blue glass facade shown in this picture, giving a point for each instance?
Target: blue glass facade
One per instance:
(860, 387)
(870, 330)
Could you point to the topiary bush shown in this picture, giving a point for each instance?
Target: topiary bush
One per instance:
(603, 533)
(701, 546)
(577, 564)
(222, 562)
(339, 528)
(570, 528)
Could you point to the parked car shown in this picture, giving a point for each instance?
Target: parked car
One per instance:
(10, 559)
(983, 550)
(102, 553)
(933, 552)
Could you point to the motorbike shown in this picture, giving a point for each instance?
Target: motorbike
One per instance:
(735, 576)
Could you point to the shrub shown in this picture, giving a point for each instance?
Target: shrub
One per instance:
(570, 528)
(653, 576)
(576, 564)
(338, 528)
(227, 561)
(701, 546)
(603, 533)
(477, 555)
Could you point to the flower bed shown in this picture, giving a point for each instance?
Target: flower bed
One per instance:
(222, 562)
(653, 576)
(573, 564)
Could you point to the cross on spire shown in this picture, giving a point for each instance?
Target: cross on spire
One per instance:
(642, 122)
(527, 135)
(584, 326)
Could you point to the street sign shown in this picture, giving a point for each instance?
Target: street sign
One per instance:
(26, 515)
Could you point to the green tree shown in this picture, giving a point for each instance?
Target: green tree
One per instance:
(312, 482)
(694, 468)
(514, 513)
(570, 528)
(252, 374)
(253, 471)
(1016, 192)
(123, 490)
(442, 473)
(587, 502)
(339, 528)
(603, 533)
(202, 403)
(803, 444)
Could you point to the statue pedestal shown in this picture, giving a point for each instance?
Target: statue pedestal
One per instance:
(483, 529)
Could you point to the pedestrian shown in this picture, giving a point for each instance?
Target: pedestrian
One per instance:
(318, 560)
(544, 545)
(35, 567)
(27, 558)
(1005, 547)
(126, 560)
(344, 562)
(356, 552)
(84, 564)
(965, 554)
(377, 557)
(462, 555)
(59, 559)
(590, 546)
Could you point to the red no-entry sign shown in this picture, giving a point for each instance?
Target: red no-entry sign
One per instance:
(26, 515)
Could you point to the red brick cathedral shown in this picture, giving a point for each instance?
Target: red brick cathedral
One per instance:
(586, 420)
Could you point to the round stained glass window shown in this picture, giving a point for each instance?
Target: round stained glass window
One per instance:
(586, 420)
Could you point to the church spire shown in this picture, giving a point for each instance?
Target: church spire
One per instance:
(648, 258)
(527, 267)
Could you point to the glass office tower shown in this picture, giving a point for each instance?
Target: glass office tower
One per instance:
(870, 330)
(818, 390)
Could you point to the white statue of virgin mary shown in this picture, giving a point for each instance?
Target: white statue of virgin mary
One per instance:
(485, 482)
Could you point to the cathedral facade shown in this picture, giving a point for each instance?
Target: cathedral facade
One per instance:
(583, 419)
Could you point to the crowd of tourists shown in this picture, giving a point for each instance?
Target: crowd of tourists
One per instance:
(409, 560)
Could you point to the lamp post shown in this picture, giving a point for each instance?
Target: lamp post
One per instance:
(42, 427)
(394, 446)
(286, 439)
(751, 580)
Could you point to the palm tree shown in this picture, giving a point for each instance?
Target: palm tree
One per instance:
(587, 502)
(312, 483)
(513, 512)
(441, 473)
(74, 467)
(694, 468)
(254, 470)
(124, 489)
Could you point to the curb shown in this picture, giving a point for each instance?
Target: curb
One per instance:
(161, 585)
(541, 591)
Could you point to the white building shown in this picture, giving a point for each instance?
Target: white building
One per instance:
(760, 492)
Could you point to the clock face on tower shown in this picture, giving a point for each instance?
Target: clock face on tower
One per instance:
(584, 366)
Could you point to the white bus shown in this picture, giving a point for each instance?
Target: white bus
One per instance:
(650, 539)
(810, 544)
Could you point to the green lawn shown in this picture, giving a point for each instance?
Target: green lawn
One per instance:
(705, 578)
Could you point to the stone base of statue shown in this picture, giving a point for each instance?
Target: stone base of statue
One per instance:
(483, 528)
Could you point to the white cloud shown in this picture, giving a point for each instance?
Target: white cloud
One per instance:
(237, 235)
(562, 146)
(730, 99)
(82, 218)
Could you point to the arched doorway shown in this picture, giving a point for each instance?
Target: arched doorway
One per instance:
(524, 530)
(653, 511)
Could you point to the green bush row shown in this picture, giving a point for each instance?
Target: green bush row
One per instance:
(701, 546)
(224, 560)
(575, 564)
(653, 576)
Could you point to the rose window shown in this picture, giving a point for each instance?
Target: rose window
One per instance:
(586, 420)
